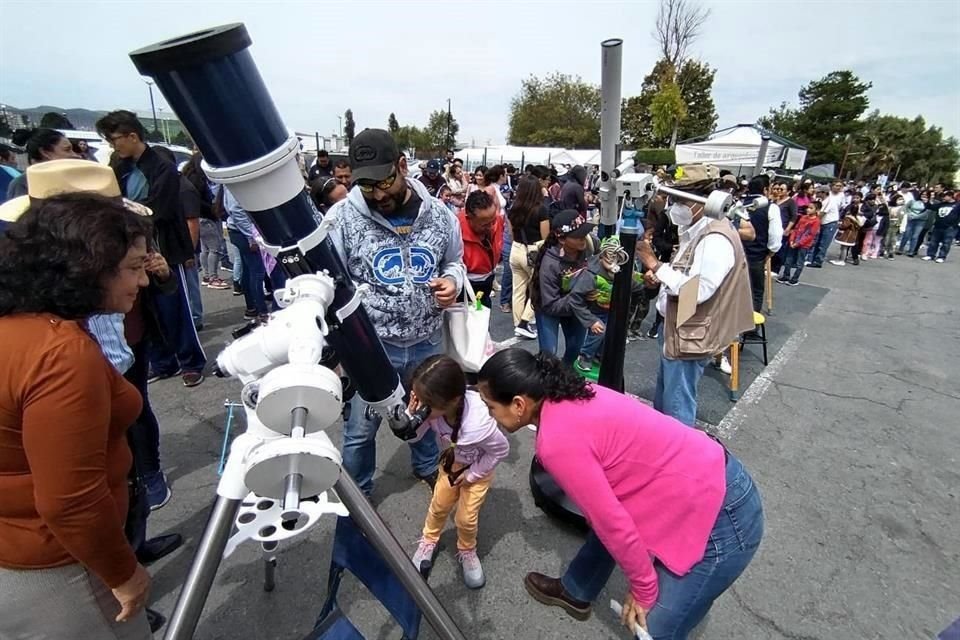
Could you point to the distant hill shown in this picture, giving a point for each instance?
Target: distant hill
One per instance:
(82, 119)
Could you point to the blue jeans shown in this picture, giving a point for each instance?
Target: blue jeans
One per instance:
(819, 252)
(684, 601)
(911, 237)
(793, 262)
(211, 236)
(506, 280)
(593, 342)
(548, 335)
(677, 380)
(360, 433)
(181, 349)
(253, 273)
(236, 262)
(941, 239)
(192, 277)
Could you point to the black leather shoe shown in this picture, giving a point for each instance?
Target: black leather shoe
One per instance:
(549, 591)
(156, 548)
(156, 620)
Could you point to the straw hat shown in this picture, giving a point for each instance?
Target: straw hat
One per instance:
(57, 177)
(696, 178)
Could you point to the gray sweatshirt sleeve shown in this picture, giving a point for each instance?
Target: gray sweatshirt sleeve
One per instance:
(453, 266)
(583, 285)
(336, 234)
(552, 301)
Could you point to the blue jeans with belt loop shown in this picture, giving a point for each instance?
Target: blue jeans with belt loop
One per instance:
(360, 432)
(684, 601)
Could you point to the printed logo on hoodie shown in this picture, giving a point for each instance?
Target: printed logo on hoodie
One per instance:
(389, 266)
(398, 267)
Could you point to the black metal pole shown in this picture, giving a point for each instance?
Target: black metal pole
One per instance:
(615, 336)
(450, 144)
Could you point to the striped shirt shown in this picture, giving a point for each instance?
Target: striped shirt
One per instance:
(108, 330)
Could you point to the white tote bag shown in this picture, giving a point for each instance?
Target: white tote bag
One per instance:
(466, 331)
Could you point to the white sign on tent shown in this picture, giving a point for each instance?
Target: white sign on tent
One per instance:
(740, 146)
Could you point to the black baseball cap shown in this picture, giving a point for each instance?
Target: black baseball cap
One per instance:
(570, 223)
(373, 154)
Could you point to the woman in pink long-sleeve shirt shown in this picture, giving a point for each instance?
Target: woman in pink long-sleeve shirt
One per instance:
(668, 504)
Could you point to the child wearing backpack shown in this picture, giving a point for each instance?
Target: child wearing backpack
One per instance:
(802, 238)
(472, 446)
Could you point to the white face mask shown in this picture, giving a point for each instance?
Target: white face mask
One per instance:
(680, 215)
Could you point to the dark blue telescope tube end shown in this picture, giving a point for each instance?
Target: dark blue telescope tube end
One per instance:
(213, 85)
(199, 47)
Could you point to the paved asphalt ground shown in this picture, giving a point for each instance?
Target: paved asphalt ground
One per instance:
(852, 434)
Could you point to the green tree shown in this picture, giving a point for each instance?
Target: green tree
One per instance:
(154, 136)
(413, 138)
(558, 111)
(903, 147)
(695, 81)
(827, 118)
(182, 139)
(667, 111)
(392, 125)
(349, 126)
(54, 120)
(678, 25)
(437, 132)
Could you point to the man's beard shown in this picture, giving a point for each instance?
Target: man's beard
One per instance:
(391, 205)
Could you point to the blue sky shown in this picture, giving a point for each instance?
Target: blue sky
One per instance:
(319, 58)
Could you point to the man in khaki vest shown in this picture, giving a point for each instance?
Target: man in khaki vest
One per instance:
(707, 284)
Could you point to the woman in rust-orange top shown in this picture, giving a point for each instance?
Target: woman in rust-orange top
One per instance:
(66, 570)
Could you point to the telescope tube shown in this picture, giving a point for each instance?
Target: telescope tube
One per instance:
(210, 80)
(611, 62)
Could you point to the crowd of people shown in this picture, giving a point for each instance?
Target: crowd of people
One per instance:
(101, 270)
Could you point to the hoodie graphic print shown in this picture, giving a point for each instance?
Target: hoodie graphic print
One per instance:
(398, 267)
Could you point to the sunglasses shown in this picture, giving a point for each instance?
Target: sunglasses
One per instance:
(383, 185)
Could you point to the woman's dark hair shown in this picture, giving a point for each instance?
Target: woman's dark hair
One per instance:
(54, 258)
(481, 170)
(535, 298)
(517, 372)
(528, 202)
(7, 153)
(493, 174)
(540, 172)
(36, 141)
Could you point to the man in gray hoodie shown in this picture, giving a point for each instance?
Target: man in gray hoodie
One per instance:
(407, 248)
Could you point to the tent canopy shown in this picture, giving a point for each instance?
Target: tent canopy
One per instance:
(739, 146)
(510, 154)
